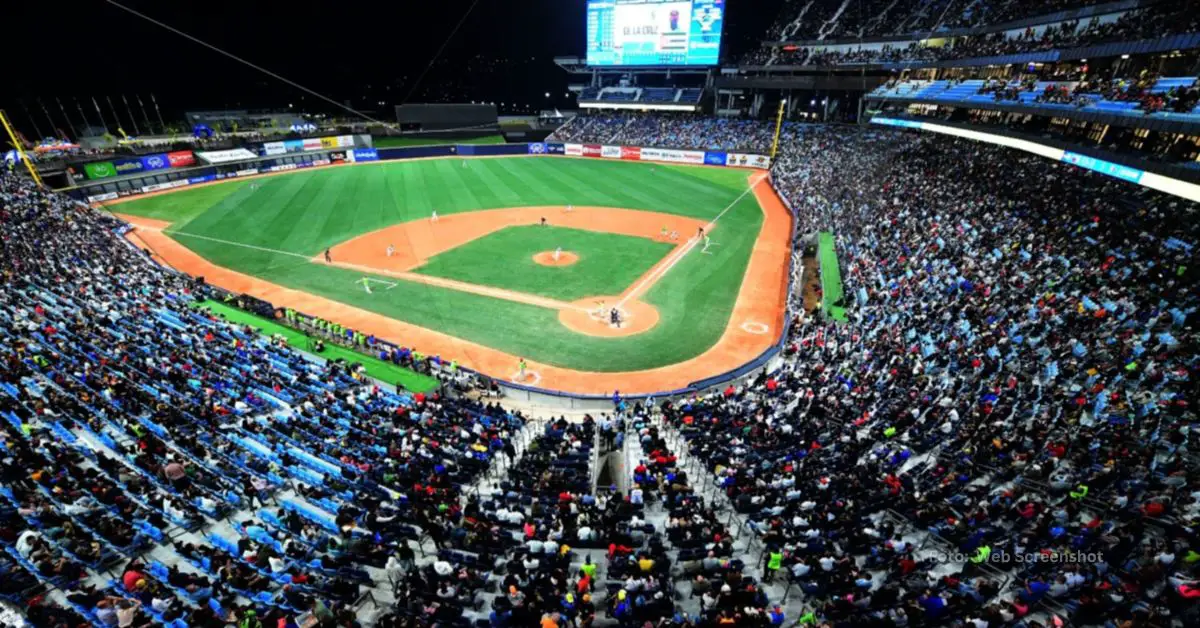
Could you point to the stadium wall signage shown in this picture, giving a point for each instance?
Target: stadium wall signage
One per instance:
(100, 170)
(127, 166)
(225, 156)
(670, 155)
(1175, 187)
(181, 159)
(104, 169)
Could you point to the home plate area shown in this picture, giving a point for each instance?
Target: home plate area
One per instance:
(593, 316)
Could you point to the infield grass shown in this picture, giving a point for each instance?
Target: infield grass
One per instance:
(294, 216)
(608, 262)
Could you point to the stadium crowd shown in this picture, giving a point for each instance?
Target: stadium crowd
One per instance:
(998, 435)
(1001, 431)
(1151, 22)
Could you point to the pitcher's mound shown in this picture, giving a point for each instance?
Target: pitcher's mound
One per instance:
(593, 317)
(565, 258)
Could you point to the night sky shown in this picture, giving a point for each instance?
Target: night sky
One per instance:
(364, 52)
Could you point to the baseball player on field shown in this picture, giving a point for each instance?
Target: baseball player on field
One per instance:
(391, 250)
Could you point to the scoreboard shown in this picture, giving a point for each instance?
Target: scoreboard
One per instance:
(654, 32)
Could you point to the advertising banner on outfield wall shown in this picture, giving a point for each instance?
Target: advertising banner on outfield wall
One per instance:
(293, 146)
(537, 148)
(181, 159)
(556, 149)
(592, 150)
(100, 170)
(164, 186)
(100, 198)
(675, 156)
(363, 154)
(748, 161)
(713, 158)
(312, 143)
(127, 166)
(575, 150)
(155, 162)
(202, 179)
(632, 153)
(274, 148)
(224, 156)
(610, 152)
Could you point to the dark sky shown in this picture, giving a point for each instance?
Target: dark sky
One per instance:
(365, 52)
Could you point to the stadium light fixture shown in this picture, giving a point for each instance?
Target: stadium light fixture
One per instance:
(1124, 56)
(547, 94)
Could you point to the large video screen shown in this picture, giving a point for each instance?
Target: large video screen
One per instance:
(654, 32)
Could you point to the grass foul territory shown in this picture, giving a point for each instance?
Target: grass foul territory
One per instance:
(831, 277)
(385, 371)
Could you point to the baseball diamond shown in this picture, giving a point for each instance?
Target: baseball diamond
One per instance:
(467, 254)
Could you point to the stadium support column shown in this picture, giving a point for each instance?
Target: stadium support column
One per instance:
(778, 128)
(12, 136)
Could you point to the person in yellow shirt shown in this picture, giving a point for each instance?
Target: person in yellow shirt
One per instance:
(646, 564)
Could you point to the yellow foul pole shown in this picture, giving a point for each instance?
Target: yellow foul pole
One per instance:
(778, 128)
(20, 151)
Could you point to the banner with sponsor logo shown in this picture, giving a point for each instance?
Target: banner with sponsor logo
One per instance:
(293, 146)
(632, 153)
(100, 198)
(592, 150)
(274, 148)
(245, 173)
(282, 168)
(169, 185)
(555, 149)
(202, 179)
(100, 170)
(155, 162)
(224, 156)
(181, 159)
(674, 156)
(312, 143)
(127, 166)
(715, 158)
(363, 154)
(575, 150)
(610, 152)
(538, 148)
(321, 162)
(742, 160)
(337, 156)
(329, 142)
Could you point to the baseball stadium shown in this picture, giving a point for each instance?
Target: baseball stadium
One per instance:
(600, 314)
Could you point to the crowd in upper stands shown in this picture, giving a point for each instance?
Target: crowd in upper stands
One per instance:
(1152, 22)
(1016, 381)
(1000, 433)
(135, 421)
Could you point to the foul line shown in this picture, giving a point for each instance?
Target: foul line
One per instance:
(429, 280)
(661, 271)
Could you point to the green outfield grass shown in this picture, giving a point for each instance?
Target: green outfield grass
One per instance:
(273, 229)
(608, 262)
(385, 141)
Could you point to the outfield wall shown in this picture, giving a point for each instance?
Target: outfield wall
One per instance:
(767, 361)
